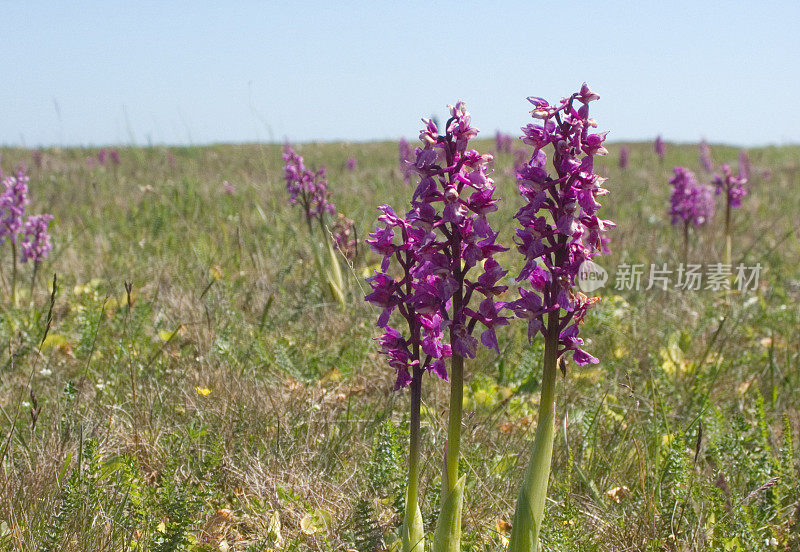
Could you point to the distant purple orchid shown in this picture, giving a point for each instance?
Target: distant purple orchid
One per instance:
(309, 190)
(520, 158)
(705, 157)
(660, 147)
(692, 203)
(503, 143)
(744, 165)
(102, 156)
(13, 199)
(228, 188)
(734, 189)
(344, 237)
(36, 242)
(560, 228)
(732, 186)
(624, 156)
(405, 159)
(306, 188)
(351, 163)
(113, 154)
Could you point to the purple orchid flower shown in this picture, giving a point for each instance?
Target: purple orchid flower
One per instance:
(503, 143)
(624, 157)
(306, 188)
(734, 189)
(691, 203)
(705, 156)
(560, 230)
(554, 251)
(36, 242)
(13, 199)
(405, 159)
(660, 147)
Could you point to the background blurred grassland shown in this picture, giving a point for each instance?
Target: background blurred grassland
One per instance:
(234, 406)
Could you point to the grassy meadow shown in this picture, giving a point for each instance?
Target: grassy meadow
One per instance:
(222, 401)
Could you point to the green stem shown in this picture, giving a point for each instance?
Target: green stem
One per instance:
(321, 219)
(414, 438)
(2, 277)
(14, 273)
(33, 280)
(456, 384)
(454, 422)
(310, 227)
(447, 536)
(412, 530)
(333, 280)
(685, 243)
(728, 232)
(530, 502)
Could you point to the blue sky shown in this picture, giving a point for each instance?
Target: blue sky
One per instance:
(90, 73)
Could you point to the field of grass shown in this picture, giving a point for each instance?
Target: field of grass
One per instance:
(227, 403)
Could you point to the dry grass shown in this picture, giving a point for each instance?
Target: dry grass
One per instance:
(126, 453)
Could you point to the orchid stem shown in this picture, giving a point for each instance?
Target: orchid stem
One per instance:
(414, 438)
(322, 228)
(14, 273)
(447, 536)
(413, 531)
(33, 279)
(686, 243)
(728, 241)
(530, 502)
(454, 421)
